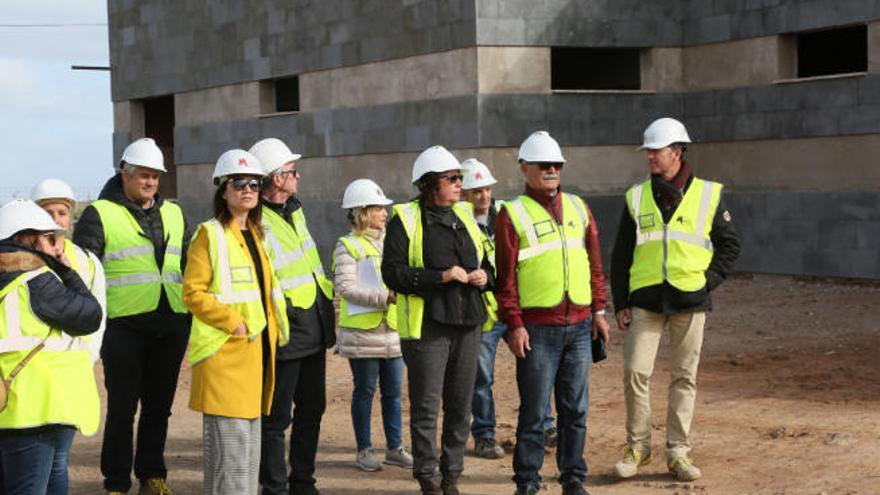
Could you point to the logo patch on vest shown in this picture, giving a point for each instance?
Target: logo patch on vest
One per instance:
(544, 227)
(726, 216)
(241, 274)
(646, 221)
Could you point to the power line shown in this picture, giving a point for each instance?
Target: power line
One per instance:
(60, 25)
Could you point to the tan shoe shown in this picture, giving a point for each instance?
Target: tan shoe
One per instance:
(683, 468)
(632, 460)
(154, 486)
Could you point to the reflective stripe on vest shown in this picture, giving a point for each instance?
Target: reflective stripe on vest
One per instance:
(678, 252)
(295, 258)
(134, 281)
(364, 253)
(410, 307)
(58, 385)
(234, 283)
(552, 261)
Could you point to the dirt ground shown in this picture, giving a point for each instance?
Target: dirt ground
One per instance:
(788, 403)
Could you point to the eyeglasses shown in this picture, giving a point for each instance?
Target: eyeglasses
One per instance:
(240, 184)
(294, 171)
(547, 166)
(453, 178)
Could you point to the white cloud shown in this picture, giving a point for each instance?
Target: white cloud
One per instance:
(57, 122)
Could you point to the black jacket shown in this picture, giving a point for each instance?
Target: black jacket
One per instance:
(89, 235)
(66, 304)
(664, 298)
(312, 329)
(447, 243)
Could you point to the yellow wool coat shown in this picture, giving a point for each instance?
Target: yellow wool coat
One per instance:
(225, 384)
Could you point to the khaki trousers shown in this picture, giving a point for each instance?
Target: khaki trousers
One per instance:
(639, 352)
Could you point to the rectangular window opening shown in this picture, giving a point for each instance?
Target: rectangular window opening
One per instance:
(580, 68)
(832, 51)
(287, 94)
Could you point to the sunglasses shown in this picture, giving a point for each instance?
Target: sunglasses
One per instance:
(240, 184)
(453, 178)
(547, 166)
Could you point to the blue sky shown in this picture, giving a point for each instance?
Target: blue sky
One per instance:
(56, 122)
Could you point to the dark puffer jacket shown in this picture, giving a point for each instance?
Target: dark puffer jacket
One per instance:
(65, 304)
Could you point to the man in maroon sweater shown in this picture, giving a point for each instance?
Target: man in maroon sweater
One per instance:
(551, 294)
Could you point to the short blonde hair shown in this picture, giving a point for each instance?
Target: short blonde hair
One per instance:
(361, 217)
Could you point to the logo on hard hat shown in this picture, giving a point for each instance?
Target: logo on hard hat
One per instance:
(478, 176)
(379, 192)
(242, 162)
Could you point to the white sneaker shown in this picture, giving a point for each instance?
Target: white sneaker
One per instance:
(632, 460)
(367, 460)
(683, 468)
(399, 457)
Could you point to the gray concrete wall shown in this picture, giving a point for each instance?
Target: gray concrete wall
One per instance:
(161, 47)
(829, 107)
(636, 23)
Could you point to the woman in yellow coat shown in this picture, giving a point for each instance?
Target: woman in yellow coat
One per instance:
(234, 297)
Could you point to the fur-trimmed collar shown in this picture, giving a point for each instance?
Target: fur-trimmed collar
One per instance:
(20, 261)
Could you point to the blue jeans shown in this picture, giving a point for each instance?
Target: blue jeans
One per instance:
(483, 403)
(389, 373)
(559, 362)
(35, 464)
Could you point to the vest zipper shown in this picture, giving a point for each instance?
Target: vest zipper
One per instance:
(560, 231)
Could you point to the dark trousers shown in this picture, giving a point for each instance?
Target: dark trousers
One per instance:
(141, 365)
(301, 383)
(441, 364)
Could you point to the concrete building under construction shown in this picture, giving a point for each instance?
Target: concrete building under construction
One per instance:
(782, 99)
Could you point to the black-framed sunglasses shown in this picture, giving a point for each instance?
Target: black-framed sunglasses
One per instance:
(453, 178)
(547, 166)
(240, 184)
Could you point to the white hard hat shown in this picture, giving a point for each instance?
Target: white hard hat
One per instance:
(540, 148)
(434, 159)
(364, 192)
(236, 162)
(273, 154)
(663, 132)
(476, 174)
(144, 153)
(24, 214)
(53, 189)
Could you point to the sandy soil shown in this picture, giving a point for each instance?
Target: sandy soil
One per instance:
(788, 403)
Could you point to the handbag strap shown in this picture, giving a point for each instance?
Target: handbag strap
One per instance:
(21, 364)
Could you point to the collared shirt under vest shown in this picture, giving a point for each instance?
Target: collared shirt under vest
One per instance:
(678, 252)
(134, 280)
(58, 385)
(552, 262)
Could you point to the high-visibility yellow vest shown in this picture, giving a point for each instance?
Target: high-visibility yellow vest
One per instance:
(87, 266)
(410, 307)
(80, 261)
(364, 253)
(552, 261)
(489, 249)
(678, 252)
(295, 258)
(234, 283)
(134, 281)
(58, 385)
